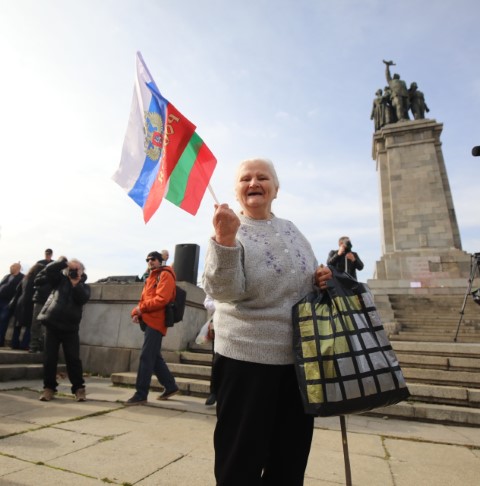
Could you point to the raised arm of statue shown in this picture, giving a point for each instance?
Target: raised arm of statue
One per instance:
(387, 69)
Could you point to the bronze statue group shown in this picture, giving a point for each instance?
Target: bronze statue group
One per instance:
(393, 103)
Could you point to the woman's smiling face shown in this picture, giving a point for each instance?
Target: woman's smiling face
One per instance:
(256, 187)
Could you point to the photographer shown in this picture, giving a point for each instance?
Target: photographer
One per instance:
(344, 259)
(61, 316)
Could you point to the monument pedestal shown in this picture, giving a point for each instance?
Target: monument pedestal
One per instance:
(421, 247)
(420, 235)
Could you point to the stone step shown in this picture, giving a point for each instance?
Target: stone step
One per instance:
(420, 347)
(430, 412)
(201, 358)
(447, 395)
(28, 371)
(441, 377)
(10, 356)
(413, 409)
(197, 371)
(431, 337)
(443, 314)
(443, 349)
(200, 348)
(411, 360)
(464, 331)
(187, 386)
(451, 363)
(428, 321)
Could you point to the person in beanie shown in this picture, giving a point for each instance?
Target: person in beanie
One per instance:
(158, 291)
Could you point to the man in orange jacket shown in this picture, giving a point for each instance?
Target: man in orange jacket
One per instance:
(158, 291)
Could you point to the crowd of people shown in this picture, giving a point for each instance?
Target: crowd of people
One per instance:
(45, 306)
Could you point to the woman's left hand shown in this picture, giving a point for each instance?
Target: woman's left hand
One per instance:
(322, 274)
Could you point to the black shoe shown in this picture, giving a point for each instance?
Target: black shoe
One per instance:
(212, 398)
(165, 395)
(136, 400)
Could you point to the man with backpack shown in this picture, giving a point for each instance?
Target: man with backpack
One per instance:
(158, 291)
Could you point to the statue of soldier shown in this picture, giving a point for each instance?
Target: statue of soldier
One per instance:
(378, 110)
(390, 116)
(417, 102)
(399, 93)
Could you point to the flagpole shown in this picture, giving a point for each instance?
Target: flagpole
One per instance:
(213, 194)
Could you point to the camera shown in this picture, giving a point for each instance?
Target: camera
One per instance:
(348, 246)
(73, 273)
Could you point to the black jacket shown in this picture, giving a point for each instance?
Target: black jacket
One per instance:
(9, 285)
(22, 302)
(42, 287)
(338, 261)
(64, 306)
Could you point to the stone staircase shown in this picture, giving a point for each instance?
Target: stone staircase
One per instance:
(443, 379)
(21, 365)
(442, 375)
(435, 318)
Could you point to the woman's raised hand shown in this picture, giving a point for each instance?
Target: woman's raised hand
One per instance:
(226, 224)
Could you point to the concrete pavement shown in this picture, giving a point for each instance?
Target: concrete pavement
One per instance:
(170, 443)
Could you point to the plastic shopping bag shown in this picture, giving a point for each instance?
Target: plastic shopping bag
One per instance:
(205, 334)
(343, 358)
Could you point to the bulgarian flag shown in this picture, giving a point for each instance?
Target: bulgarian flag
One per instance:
(162, 155)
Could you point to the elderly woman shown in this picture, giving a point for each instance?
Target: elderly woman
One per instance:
(257, 267)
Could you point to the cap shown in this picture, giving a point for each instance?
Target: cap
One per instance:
(49, 251)
(155, 254)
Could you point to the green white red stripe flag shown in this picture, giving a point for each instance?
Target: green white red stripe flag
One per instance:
(162, 156)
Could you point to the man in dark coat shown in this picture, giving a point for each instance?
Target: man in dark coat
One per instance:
(344, 259)
(61, 315)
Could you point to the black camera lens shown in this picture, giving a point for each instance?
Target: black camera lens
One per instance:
(73, 273)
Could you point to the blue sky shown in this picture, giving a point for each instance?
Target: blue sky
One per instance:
(292, 81)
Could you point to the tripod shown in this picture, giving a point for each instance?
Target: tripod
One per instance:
(474, 266)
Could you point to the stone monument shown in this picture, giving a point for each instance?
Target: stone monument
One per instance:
(421, 246)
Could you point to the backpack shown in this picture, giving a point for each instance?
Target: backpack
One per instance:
(174, 310)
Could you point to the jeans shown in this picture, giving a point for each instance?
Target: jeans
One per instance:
(70, 342)
(151, 361)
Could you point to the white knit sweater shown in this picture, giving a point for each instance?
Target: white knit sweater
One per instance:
(255, 284)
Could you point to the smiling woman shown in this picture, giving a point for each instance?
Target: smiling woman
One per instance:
(256, 268)
(257, 186)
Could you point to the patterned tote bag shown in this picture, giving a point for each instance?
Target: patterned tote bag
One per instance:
(343, 358)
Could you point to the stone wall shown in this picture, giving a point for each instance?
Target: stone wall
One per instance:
(110, 342)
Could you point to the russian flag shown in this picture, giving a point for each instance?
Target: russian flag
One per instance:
(162, 155)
